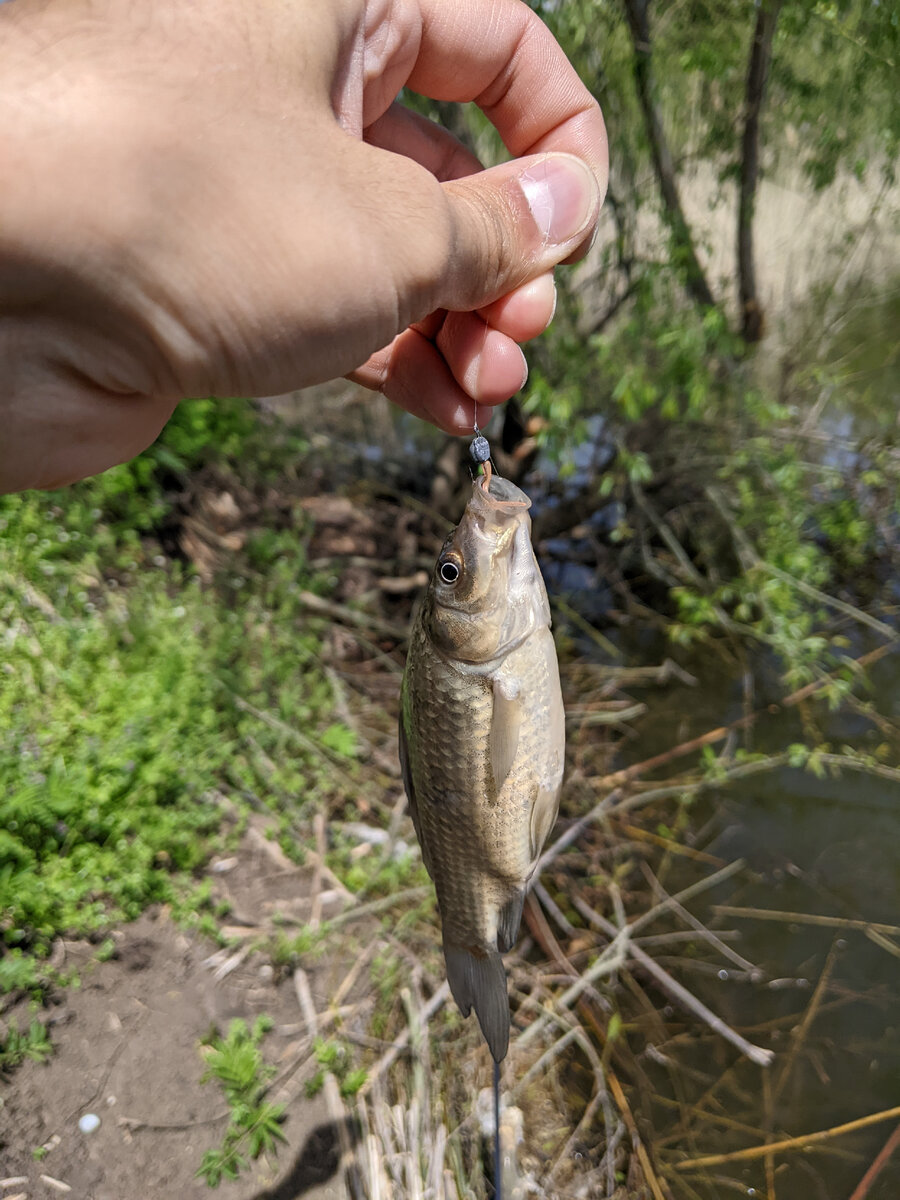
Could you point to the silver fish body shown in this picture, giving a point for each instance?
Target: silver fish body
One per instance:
(482, 740)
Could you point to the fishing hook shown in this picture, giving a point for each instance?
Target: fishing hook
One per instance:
(480, 450)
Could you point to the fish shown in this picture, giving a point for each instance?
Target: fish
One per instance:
(482, 741)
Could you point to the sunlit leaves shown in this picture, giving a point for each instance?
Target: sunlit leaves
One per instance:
(254, 1129)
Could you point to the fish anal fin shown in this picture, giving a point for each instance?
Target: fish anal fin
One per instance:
(505, 726)
(477, 980)
(509, 920)
(543, 818)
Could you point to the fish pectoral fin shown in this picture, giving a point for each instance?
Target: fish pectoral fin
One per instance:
(509, 920)
(477, 980)
(406, 774)
(543, 818)
(505, 726)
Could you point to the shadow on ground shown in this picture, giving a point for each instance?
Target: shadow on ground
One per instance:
(317, 1162)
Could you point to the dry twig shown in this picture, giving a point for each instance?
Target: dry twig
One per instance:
(861, 1191)
(390, 1056)
(771, 914)
(795, 1143)
(676, 990)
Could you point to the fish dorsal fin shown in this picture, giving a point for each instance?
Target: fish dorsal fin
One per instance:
(505, 727)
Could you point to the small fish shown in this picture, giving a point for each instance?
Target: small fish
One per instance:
(482, 739)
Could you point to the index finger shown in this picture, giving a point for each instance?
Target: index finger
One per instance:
(500, 55)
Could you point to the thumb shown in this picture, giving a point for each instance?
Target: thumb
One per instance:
(514, 222)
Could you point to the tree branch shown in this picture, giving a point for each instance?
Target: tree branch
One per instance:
(663, 164)
(752, 315)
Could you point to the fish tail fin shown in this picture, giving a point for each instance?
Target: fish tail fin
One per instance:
(478, 980)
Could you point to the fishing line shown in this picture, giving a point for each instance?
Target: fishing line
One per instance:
(497, 1160)
(480, 450)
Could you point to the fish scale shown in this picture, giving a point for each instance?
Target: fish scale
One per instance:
(482, 739)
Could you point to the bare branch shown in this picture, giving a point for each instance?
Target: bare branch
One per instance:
(752, 317)
(663, 163)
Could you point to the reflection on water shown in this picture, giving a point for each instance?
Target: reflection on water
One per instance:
(829, 1002)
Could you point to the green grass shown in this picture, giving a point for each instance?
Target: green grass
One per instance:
(124, 735)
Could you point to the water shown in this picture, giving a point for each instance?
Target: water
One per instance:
(827, 847)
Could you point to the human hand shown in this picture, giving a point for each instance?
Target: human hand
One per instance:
(223, 199)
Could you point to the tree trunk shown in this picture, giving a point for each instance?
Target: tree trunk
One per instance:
(752, 315)
(639, 24)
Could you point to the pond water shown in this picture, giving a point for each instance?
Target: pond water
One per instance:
(828, 1002)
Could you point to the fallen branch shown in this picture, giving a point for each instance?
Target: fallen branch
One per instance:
(771, 914)
(861, 1191)
(640, 1149)
(799, 1034)
(133, 1124)
(315, 915)
(695, 924)
(676, 990)
(315, 748)
(636, 834)
(352, 616)
(56, 1184)
(795, 1143)
(841, 606)
(742, 770)
(333, 1102)
(693, 889)
(380, 905)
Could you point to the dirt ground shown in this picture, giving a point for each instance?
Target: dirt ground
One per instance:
(126, 1048)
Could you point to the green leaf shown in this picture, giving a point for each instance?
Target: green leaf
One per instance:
(341, 739)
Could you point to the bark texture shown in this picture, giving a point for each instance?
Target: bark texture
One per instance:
(752, 314)
(636, 12)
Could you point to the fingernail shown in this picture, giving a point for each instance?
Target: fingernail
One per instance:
(524, 369)
(562, 195)
(553, 310)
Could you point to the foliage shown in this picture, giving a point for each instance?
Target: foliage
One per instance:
(33, 1043)
(333, 1057)
(254, 1127)
(750, 527)
(122, 729)
(833, 102)
(774, 527)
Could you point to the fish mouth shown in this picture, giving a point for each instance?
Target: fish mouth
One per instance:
(500, 495)
(497, 508)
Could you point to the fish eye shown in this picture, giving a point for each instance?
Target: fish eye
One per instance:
(449, 571)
